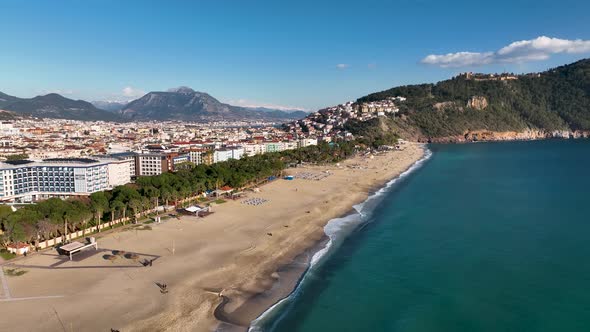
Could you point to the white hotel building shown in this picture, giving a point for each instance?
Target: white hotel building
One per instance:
(227, 154)
(26, 181)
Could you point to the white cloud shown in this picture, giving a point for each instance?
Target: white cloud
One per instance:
(132, 92)
(253, 104)
(540, 48)
(342, 65)
(460, 59)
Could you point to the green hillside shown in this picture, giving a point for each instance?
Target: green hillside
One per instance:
(553, 100)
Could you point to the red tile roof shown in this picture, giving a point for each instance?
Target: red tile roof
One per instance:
(18, 245)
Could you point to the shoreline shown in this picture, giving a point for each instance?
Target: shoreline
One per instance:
(240, 252)
(488, 136)
(327, 241)
(228, 324)
(292, 274)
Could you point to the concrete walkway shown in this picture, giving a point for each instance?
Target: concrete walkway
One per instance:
(12, 299)
(5, 289)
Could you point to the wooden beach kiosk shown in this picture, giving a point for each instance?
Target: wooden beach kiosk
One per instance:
(74, 247)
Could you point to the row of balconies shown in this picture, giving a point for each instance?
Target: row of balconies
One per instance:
(44, 174)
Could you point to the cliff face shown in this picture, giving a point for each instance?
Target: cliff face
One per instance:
(496, 136)
(407, 130)
(477, 102)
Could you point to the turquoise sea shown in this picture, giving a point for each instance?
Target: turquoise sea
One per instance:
(480, 237)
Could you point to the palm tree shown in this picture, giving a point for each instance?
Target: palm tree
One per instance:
(99, 204)
(117, 206)
(145, 205)
(184, 191)
(174, 196)
(135, 205)
(84, 217)
(66, 217)
(198, 187)
(166, 196)
(153, 193)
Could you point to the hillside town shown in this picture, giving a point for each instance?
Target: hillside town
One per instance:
(65, 158)
(328, 124)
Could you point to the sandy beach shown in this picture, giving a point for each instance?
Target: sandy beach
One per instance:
(233, 256)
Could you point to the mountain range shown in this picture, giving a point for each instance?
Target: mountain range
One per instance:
(188, 105)
(181, 103)
(56, 106)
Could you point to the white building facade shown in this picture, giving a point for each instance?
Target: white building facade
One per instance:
(119, 172)
(29, 181)
(227, 154)
(222, 155)
(307, 142)
(150, 164)
(253, 149)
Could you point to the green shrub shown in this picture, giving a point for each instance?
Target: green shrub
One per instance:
(6, 255)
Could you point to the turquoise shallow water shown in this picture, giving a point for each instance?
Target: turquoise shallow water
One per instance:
(483, 237)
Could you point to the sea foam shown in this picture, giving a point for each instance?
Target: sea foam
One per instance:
(336, 230)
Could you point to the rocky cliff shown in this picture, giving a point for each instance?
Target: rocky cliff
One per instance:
(496, 136)
(477, 103)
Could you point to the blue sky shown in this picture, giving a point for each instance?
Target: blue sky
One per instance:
(307, 54)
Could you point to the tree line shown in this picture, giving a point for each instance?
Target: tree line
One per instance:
(54, 217)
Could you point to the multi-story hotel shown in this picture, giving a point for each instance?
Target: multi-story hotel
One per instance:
(252, 149)
(227, 154)
(30, 181)
(119, 172)
(128, 156)
(151, 164)
(199, 156)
